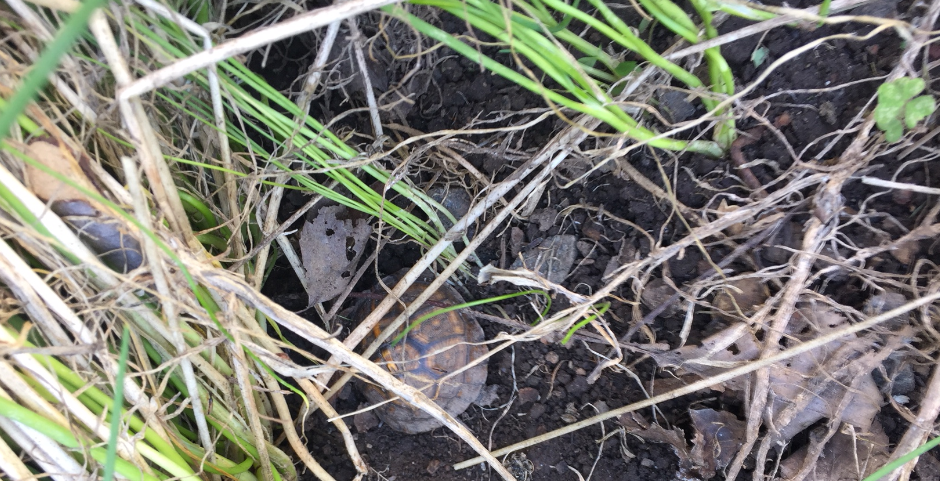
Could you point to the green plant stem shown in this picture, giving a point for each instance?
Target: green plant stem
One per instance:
(64, 436)
(95, 400)
(116, 404)
(598, 110)
(897, 463)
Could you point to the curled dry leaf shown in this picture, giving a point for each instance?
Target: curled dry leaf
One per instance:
(725, 208)
(114, 240)
(718, 437)
(813, 386)
(656, 292)
(853, 455)
(552, 258)
(723, 350)
(906, 252)
(833, 382)
(884, 302)
(331, 246)
(740, 297)
(634, 423)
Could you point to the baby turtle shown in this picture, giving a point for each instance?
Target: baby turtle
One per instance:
(426, 357)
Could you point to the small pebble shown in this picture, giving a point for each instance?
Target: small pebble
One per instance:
(528, 395)
(537, 411)
(551, 357)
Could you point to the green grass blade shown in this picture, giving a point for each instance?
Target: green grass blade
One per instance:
(116, 406)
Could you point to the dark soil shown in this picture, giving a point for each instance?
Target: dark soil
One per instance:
(552, 376)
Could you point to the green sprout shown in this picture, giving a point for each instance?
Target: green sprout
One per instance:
(896, 102)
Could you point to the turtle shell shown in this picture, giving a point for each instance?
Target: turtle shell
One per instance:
(426, 358)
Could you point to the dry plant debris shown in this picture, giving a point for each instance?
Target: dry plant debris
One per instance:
(331, 244)
(799, 363)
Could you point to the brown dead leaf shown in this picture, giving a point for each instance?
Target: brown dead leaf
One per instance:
(832, 382)
(656, 292)
(741, 297)
(845, 457)
(906, 252)
(331, 247)
(60, 160)
(718, 437)
(813, 386)
(635, 424)
(725, 349)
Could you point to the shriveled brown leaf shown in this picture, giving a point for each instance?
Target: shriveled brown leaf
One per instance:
(61, 161)
(811, 387)
(635, 424)
(656, 292)
(741, 297)
(718, 437)
(845, 457)
(552, 258)
(723, 350)
(725, 208)
(331, 245)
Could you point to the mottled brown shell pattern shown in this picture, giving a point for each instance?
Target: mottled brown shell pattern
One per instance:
(431, 351)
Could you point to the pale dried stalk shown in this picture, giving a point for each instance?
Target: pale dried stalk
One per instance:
(900, 185)
(142, 135)
(168, 304)
(48, 454)
(10, 463)
(30, 300)
(246, 389)
(356, 39)
(268, 350)
(230, 206)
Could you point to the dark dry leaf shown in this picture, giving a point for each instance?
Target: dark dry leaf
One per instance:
(330, 248)
(552, 258)
(636, 425)
(365, 420)
(656, 292)
(811, 387)
(718, 436)
(717, 353)
(845, 457)
(928, 468)
(741, 297)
